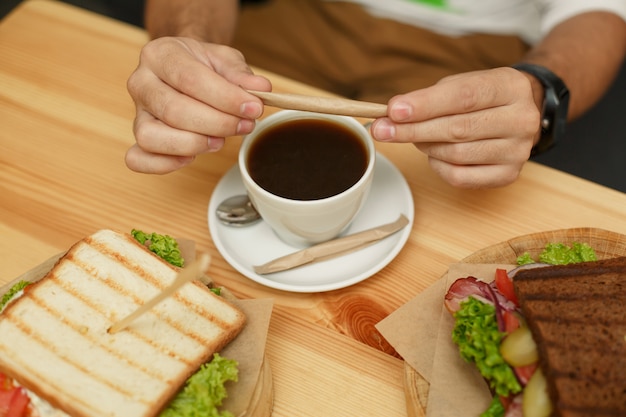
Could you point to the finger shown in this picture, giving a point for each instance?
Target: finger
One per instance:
(154, 136)
(475, 176)
(212, 74)
(234, 69)
(140, 161)
(451, 128)
(460, 94)
(183, 112)
(505, 121)
(481, 152)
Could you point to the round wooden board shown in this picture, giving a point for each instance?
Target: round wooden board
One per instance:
(606, 244)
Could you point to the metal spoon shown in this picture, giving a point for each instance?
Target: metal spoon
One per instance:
(237, 211)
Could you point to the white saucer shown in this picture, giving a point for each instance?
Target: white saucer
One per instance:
(257, 244)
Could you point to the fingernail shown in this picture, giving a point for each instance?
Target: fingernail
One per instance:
(384, 130)
(251, 110)
(400, 111)
(215, 143)
(245, 126)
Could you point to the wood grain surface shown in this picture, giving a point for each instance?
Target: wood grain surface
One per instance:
(66, 121)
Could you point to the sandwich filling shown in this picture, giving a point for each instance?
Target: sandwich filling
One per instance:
(577, 316)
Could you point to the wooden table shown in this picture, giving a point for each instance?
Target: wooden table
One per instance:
(66, 122)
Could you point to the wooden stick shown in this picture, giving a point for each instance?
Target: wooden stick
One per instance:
(330, 105)
(189, 273)
(332, 248)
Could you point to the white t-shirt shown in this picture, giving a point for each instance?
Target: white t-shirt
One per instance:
(529, 19)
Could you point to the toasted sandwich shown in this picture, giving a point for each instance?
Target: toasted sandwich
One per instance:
(54, 339)
(577, 316)
(549, 340)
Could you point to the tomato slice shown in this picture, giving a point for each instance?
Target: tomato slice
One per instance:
(511, 321)
(13, 400)
(525, 372)
(19, 403)
(5, 402)
(505, 285)
(5, 382)
(506, 401)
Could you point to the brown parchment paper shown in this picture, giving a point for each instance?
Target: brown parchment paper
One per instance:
(248, 348)
(421, 332)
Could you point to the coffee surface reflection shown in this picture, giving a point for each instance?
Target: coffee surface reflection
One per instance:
(307, 159)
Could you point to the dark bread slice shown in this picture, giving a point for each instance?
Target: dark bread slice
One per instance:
(577, 315)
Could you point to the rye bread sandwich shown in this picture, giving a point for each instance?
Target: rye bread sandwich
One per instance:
(549, 340)
(577, 316)
(54, 340)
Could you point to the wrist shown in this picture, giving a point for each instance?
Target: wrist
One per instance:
(552, 98)
(538, 92)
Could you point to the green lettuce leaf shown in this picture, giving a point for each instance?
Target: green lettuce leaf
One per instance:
(13, 291)
(477, 335)
(164, 246)
(561, 254)
(496, 408)
(204, 391)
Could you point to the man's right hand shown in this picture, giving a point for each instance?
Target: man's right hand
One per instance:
(189, 96)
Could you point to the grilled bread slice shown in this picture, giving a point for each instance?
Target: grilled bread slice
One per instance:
(54, 340)
(577, 315)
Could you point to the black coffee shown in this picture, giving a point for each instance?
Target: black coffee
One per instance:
(307, 159)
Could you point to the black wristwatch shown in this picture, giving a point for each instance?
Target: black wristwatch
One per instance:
(555, 105)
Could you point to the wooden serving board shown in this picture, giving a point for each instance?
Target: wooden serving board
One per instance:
(607, 244)
(262, 401)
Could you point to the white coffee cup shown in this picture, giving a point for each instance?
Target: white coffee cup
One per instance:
(302, 222)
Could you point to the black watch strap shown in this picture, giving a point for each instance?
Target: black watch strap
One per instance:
(555, 105)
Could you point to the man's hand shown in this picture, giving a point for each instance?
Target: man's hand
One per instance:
(477, 128)
(189, 96)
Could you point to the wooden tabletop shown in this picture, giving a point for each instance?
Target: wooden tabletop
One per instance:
(66, 122)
